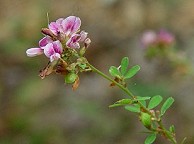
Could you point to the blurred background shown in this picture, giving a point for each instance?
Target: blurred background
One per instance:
(35, 111)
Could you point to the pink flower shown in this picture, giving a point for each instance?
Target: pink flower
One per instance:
(165, 37)
(67, 26)
(31, 52)
(148, 38)
(161, 38)
(53, 50)
(71, 25)
(56, 27)
(75, 39)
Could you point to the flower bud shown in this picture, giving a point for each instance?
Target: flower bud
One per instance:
(70, 78)
(48, 32)
(146, 119)
(87, 42)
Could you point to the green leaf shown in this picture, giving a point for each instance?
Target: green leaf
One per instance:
(114, 71)
(150, 139)
(139, 98)
(142, 100)
(133, 108)
(121, 103)
(115, 105)
(132, 71)
(83, 66)
(166, 105)
(155, 101)
(172, 129)
(124, 65)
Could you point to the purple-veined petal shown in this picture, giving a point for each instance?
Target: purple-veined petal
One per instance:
(57, 46)
(55, 56)
(73, 42)
(49, 50)
(83, 36)
(53, 50)
(71, 25)
(54, 27)
(74, 45)
(44, 41)
(31, 52)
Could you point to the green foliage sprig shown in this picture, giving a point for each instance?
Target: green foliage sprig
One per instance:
(144, 107)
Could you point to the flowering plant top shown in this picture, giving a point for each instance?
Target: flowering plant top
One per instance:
(64, 45)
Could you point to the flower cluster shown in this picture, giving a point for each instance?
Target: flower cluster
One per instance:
(152, 39)
(64, 45)
(63, 30)
(157, 43)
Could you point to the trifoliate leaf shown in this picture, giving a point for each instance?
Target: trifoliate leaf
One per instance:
(124, 65)
(132, 71)
(155, 101)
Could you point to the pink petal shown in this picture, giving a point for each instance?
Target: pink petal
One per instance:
(165, 37)
(55, 56)
(54, 27)
(57, 46)
(59, 21)
(49, 50)
(73, 42)
(148, 38)
(74, 45)
(83, 36)
(44, 41)
(34, 52)
(71, 25)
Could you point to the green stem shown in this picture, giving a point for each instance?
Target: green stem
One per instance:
(166, 133)
(129, 93)
(110, 79)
